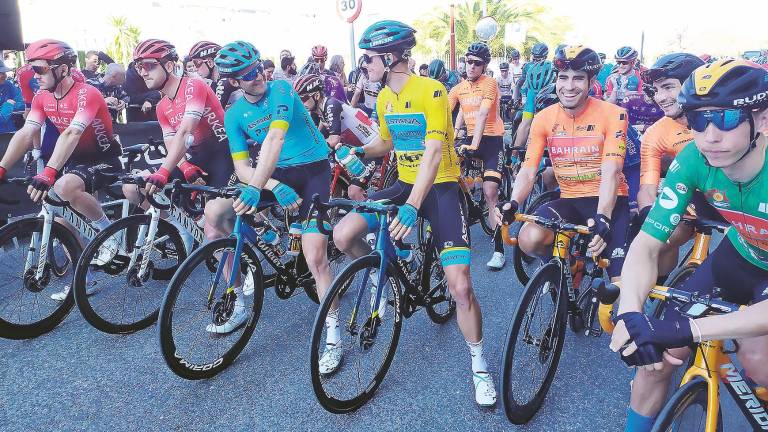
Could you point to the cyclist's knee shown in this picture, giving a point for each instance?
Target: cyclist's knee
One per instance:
(131, 193)
(69, 186)
(460, 285)
(348, 230)
(314, 247)
(753, 354)
(534, 241)
(218, 214)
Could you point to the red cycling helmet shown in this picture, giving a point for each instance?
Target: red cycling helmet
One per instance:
(155, 49)
(52, 50)
(203, 50)
(309, 84)
(319, 52)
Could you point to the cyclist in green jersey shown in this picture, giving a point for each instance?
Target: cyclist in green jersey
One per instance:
(726, 104)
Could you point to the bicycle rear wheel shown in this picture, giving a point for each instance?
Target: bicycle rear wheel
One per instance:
(198, 301)
(534, 344)
(127, 299)
(367, 341)
(686, 410)
(26, 307)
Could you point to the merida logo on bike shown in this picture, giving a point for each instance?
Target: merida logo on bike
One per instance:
(742, 389)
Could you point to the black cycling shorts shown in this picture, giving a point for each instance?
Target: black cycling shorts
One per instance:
(578, 210)
(491, 153)
(307, 180)
(215, 160)
(739, 280)
(86, 171)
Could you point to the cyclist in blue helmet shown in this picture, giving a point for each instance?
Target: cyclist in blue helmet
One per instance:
(626, 80)
(537, 74)
(415, 120)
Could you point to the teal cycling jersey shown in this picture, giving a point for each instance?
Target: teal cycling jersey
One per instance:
(743, 205)
(280, 108)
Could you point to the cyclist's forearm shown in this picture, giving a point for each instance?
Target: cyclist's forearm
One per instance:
(378, 148)
(646, 196)
(523, 184)
(609, 186)
(459, 120)
(333, 140)
(64, 147)
(20, 143)
(430, 162)
(749, 322)
(639, 273)
(268, 157)
(477, 135)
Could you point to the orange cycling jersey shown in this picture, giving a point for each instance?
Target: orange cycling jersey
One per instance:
(579, 145)
(666, 137)
(475, 95)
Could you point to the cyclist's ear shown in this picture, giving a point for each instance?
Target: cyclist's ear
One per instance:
(761, 120)
(233, 82)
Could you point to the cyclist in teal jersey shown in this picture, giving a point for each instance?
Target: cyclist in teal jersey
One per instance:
(537, 74)
(290, 150)
(726, 105)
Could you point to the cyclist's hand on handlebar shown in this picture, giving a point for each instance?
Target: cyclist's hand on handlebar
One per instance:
(601, 228)
(192, 173)
(464, 148)
(402, 224)
(247, 201)
(157, 180)
(505, 212)
(641, 339)
(41, 183)
(286, 197)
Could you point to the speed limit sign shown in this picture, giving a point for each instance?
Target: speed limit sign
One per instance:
(349, 10)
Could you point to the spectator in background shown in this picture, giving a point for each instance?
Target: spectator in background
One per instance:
(424, 70)
(138, 93)
(269, 70)
(334, 87)
(189, 68)
(93, 59)
(412, 65)
(10, 100)
(365, 94)
(337, 67)
(287, 70)
(10, 58)
(111, 87)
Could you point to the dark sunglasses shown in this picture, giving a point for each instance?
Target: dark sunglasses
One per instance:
(146, 65)
(253, 73)
(199, 62)
(368, 59)
(306, 97)
(725, 119)
(563, 64)
(41, 70)
(476, 62)
(622, 62)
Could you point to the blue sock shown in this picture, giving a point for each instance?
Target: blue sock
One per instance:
(637, 422)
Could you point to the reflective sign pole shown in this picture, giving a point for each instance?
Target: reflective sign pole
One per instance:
(353, 63)
(453, 39)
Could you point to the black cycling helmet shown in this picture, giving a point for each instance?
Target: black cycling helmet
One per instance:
(675, 65)
(540, 50)
(437, 69)
(602, 56)
(309, 84)
(388, 36)
(725, 84)
(479, 50)
(503, 66)
(579, 58)
(545, 97)
(514, 54)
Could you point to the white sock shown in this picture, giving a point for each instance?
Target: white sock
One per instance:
(332, 331)
(478, 360)
(102, 223)
(239, 302)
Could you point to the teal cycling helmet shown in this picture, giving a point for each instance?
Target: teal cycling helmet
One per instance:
(388, 36)
(236, 59)
(437, 69)
(540, 75)
(626, 53)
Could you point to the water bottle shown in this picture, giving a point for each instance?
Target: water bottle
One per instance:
(407, 255)
(294, 244)
(351, 162)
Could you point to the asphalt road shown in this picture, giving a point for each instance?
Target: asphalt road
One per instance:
(76, 378)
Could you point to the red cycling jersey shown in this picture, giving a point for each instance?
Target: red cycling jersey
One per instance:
(82, 108)
(195, 99)
(28, 84)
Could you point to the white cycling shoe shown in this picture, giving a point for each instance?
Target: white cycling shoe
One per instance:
(236, 320)
(331, 358)
(497, 261)
(485, 392)
(90, 289)
(107, 252)
(248, 284)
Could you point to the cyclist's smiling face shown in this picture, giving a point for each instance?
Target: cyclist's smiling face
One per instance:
(665, 96)
(376, 67)
(724, 148)
(572, 88)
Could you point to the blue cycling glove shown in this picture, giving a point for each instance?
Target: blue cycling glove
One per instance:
(285, 195)
(668, 333)
(407, 215)
(249, 195)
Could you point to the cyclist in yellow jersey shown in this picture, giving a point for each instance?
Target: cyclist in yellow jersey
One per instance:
(415, 119)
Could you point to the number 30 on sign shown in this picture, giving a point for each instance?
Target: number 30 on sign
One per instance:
(349, 10)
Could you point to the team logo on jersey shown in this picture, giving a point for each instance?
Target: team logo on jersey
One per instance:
(617, 253)
(674, 166)
(282, 109)
(681, 188)
(437, 94)
(389, 107)
(674, 219)
(668, 198)
(763, 207)
(717, 198)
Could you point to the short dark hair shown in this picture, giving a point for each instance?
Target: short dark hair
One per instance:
(268, 64)
(424, 66)
(90, 53)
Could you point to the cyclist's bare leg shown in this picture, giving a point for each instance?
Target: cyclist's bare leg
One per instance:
(753, 354)
(71, 188)
(219, 223)
(649, 388)
(491, 192)
(468, 313)
(548, 176)
(315, 248)
(535, 240)
(348, 235)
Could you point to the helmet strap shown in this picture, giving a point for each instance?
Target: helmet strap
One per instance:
(752, 143)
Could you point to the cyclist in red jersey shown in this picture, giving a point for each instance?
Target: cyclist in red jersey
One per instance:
(626, 80)
(192, 121)
(86, 142)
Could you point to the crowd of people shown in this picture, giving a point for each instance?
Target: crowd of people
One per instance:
(607, 129)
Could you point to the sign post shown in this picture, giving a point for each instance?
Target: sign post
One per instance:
(349, 11)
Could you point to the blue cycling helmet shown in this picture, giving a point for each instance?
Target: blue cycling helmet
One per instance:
(540, 75)
(479, 50)
(236, 59)
(626, 53)
(437, 69)
(388, 36)
(545, 97)
(514, 54)
(540, 50)
(676, 65)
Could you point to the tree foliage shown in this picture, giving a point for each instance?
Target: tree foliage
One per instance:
(124, 41)
(433, 32)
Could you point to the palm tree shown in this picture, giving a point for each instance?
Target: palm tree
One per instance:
(125, 39)
(433, 32)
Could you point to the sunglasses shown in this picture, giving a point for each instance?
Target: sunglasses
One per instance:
(146, 65)
(306, 97)
(538, 59)
(369, 59)
(42, 70)
(253, 73)
(476, 62)
(725, 119)
(623, 62)
(199, 62)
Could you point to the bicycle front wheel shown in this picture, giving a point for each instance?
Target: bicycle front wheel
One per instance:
(534, 344)
(123, 294)
(687, 409)
(205, 323)
(352, 344)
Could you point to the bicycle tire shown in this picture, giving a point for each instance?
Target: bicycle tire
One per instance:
(439, 292)
(97, 308)
(17, 234)
(520, 260)
(201, 257)
(692, 394)
(338, 291)
(541, 286)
